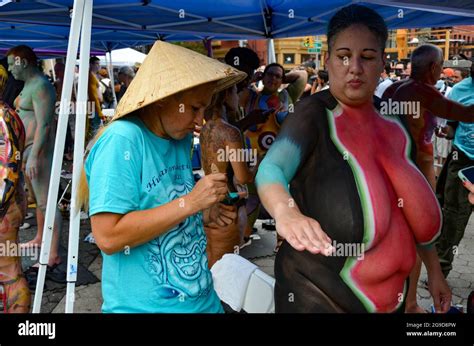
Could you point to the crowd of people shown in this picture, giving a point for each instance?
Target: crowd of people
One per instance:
(321, 152)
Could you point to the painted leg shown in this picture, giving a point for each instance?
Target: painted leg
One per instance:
(36, 241)
(40, 188)
(18, 296)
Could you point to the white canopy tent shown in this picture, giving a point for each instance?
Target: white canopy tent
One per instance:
(124, 57)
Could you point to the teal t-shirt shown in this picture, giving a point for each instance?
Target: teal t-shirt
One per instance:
(463, 92)
(130, 168)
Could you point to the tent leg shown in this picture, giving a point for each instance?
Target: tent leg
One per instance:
(270, 51)
(60, 140)
(208, 45)
(110, 68)
(75, 215)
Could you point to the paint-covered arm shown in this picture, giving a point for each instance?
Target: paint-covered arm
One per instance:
(297, 80)
(436, 103)
(93, 92)
(242, 172)
(295, 142)
(449, 109)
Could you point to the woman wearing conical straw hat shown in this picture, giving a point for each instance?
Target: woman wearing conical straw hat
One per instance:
(146, 212)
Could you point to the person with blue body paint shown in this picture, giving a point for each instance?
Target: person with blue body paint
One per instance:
(341, 184)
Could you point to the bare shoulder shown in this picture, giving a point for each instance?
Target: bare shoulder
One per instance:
(220, 130)
(231, 132)
(390, 91)
(42, 87)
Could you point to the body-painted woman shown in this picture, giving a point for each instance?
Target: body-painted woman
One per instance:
(223, 151)
(15, 293)
(357, 205)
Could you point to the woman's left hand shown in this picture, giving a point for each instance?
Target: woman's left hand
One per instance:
(440, 292)
(222, 215)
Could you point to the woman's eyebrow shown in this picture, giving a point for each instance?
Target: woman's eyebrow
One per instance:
(365, 49)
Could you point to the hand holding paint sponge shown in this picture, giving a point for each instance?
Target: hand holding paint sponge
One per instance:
(232, 197)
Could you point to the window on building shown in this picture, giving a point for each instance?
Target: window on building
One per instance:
(305, 58)
(288, 59)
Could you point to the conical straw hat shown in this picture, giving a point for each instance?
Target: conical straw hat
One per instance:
(169, 69)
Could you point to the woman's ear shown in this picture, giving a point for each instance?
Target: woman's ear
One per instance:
(24, 63)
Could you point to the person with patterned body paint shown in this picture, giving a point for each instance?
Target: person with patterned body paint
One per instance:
(36, 106)
(427, 64)
(261, 136)
(147, 214)
(418, 89)
(351, 183)
(217, 138)
(16, 297)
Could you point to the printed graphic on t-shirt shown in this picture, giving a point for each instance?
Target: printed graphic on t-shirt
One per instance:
(176, 259)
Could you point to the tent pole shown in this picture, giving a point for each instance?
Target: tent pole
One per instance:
(80, 130)
(110, 68)
(270, 51)
(208, 45)
(60, 140)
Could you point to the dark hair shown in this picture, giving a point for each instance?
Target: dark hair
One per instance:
(273, 64)
(387, 68)
(357, 14)
(323, 75)
(247, 59)
(93, 59)
(464, 71)
(217, 101)
(24, 52)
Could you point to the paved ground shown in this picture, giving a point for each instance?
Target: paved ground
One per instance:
(89, 299)
(461, 277)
